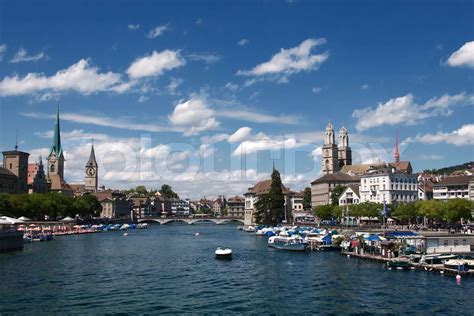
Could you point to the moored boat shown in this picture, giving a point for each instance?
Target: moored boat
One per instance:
(223, 253)
(293, 243)
(460, 264)
(399, 264)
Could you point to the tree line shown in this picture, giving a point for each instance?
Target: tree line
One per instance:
(51, 206)
(451, 211)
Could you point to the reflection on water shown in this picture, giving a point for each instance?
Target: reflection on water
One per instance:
(168, 269)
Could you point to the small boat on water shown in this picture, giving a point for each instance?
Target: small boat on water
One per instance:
(436, 258)
(223, 253)
(142, 226)
(460, 264)
(250, 229)
(124, 227)
(293, 243)
(399, 264)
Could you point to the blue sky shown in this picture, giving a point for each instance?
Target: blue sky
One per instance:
(202, 95)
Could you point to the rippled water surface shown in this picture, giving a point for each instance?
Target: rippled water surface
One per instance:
(167, 269)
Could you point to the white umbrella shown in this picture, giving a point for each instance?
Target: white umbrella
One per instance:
(11, 220)
(4, 222)
(23, 218)
(68, 219)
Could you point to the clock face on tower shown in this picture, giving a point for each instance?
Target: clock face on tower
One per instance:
(90, 172)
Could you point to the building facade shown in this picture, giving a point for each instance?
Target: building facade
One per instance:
(321, 188)
(16, 162)
(180, 207)
(389, 186)
(251, 198)
(37, 181)
(452, 188)
(115, 204)
(236, 207)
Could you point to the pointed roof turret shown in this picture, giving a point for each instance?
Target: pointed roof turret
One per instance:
(56, 147)
(92, 162)
(397, 154)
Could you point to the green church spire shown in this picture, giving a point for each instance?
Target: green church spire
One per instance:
(56, 148)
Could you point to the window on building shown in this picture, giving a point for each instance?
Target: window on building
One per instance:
(456, 243)
(445, 243)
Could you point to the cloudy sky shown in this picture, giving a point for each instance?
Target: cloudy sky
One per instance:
(205, 95)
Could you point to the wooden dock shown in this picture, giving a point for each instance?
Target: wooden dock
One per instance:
(417, 266)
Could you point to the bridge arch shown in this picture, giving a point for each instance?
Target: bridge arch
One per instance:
(203, 220)
(229, 220)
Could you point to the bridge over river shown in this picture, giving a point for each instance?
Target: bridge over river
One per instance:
(191, 220)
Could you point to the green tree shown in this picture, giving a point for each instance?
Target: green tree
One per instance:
(457, 209)
(324, 211)
(307, 198)
(262, 210)
(277, 199)
(336, 193)
(431, 209)
(167, 192)
(141, 190)
(407, 212)
(270, 207)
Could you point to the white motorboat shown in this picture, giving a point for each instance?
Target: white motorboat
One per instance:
(223, 253)
(124, 227)
(460, 264)
(250, 229)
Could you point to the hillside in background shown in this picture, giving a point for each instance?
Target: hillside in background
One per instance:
(449, 170)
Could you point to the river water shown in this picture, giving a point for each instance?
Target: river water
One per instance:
(167, 269)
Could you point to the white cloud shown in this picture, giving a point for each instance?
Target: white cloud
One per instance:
(80, 77)
(173, 86)
(243, 42)
(463, 57)
(133, 27)
(208, 58)
(428, 157)
(155, 64)
(157, 31)
(263, 142)
(463, 136)
(198, 21)
(76, 134)
(316, 89)
(3, 49)
(142, 99)
(22, 56)
(231, 86)
(214, 138)
(364, 87)
(404, 110)
(240, 135)
(289, 61)
(103, 120)
(253, 116)
(194, 115)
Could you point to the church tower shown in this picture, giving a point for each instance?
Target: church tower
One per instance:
(91, 180)
(344, 151)
(396, 154)
(330, 160)
(56, 156)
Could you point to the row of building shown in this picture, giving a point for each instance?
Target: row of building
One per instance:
(386, 182)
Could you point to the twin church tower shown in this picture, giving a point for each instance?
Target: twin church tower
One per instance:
(335, 156)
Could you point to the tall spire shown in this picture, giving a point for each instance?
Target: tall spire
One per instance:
(92, 162)
(397, 154)
(16, 140)
(56, 148)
